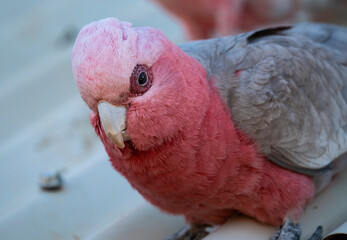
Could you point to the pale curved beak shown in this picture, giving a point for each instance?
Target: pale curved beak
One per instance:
(113, 121)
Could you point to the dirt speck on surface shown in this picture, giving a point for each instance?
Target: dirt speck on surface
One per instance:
(75, 237)
(44, 143)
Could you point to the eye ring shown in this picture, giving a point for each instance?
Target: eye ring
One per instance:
(142, 79)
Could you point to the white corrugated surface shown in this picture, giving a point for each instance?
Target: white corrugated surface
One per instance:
(44, 124)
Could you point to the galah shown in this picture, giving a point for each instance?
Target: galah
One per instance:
(202, 19)
(254, 123)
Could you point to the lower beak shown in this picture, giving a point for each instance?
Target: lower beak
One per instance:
(113, 121)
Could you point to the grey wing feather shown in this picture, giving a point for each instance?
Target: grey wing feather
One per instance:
(286, 88)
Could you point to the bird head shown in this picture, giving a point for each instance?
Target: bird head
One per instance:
(139, 83)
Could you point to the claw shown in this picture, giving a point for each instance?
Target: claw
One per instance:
(317, 235)
(289, 231)
(292, 231)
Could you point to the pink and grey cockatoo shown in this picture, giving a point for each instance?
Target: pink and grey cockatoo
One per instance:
(202, 19)
(253, 123)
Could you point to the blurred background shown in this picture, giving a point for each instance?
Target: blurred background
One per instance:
(44, 124)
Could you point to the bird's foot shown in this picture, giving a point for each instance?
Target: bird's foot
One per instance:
(194, 232)
(292, 231)
(318, 234)
(289, 231)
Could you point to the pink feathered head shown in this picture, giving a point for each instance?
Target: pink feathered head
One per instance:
(110, 49)
(107, 60)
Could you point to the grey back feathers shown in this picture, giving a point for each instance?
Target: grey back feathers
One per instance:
(286, 88)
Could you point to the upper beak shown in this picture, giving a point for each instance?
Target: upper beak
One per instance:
(113, 121)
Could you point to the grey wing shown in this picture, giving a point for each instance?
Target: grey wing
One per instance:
(287, 90)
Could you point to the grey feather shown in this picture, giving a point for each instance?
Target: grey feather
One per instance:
(291, 94)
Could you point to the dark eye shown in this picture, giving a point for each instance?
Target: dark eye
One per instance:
(141, 79)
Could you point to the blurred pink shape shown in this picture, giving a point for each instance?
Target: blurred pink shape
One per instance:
(203, 19)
